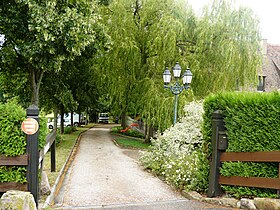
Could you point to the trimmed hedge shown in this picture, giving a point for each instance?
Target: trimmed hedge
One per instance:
(13, 140)
(252, 121)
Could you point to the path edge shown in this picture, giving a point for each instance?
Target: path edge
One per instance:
(59, 180)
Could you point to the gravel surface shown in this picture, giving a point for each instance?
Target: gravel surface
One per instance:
(103, 174)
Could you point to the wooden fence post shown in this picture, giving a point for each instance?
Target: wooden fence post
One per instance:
(33, 153)
(53, 164)
(219, 144)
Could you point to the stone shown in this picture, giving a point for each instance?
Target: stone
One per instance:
(232, 202)
(214, 201)
(246, 204)
(267, 203)
(192, 195)
(17, 200)
(45, 188)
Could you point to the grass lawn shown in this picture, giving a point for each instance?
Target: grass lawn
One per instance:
(131, 143)
(63, 150)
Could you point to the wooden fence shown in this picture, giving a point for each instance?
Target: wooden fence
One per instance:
(23, 160)
(261, 182)
(219, 146)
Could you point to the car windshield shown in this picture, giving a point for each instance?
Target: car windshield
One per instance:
(104, 115)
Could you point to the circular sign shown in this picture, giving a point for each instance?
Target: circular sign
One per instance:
(29, 126)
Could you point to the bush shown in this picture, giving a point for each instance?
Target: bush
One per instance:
(130, 132)
(69, 129)
(253, 124)
(58, 138)
(13, 140)
(177, 154)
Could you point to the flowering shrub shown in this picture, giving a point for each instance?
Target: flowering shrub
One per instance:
(177, 153)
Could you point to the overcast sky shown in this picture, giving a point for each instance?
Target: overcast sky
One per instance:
(268, 12)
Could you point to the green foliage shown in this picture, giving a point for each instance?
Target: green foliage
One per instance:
(12, 139)
(252, 125)
(177, 155)
(43, 132)
(134, 133)
(41, 36)
(12, 174)
(220, 45)
(116, 129)
(58, 138)
(130, 132)
(69, 129)
(131, 143)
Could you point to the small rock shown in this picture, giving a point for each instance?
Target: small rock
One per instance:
(45, 187)
(246, 204)
(232, 202)
(192, 195)
(215, 201)
(17, 200)
(267, 203)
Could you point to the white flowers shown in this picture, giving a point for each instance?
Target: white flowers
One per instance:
(174, 154)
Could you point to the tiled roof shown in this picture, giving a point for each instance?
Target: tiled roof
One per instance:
(271, 67)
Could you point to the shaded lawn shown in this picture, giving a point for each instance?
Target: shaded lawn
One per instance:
(131, 143)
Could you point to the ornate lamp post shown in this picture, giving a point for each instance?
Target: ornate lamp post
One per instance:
(177, 88)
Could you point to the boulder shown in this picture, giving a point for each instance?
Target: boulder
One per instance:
(17, 200)
(192, 195)
(267, 203)
(232, 202)
(45, 188)
(245, 203)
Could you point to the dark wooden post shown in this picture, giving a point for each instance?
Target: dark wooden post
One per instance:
(33, 154)
(53, 165)
(219, 144)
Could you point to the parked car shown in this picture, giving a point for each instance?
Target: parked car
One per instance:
(67, 120)
(103, 118)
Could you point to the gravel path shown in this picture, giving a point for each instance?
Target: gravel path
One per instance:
(104, 175)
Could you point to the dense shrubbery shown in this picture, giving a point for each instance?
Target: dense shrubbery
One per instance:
(13, 140)
(69, 129)
(177, 154)
(253, 124)
(252, 121)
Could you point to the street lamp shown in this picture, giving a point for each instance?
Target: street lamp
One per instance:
(176, 89)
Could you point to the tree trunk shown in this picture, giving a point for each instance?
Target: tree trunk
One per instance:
(35, 78)
(123, 120)
(72, 119)
(146, 131)
(149, 133)
(62, 119)
(55, 119)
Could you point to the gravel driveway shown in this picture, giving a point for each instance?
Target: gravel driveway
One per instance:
(103, 175)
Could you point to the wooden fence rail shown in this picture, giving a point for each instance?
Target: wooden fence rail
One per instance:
(23, 160)
(20, 160)
(261, 182)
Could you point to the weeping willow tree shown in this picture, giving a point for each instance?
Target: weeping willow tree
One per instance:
(226, 48)
(221, 46)
(144, 35)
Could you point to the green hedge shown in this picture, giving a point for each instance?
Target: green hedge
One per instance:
(13, 140)
(252, 121)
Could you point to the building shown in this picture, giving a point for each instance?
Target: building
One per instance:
(270, 75)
